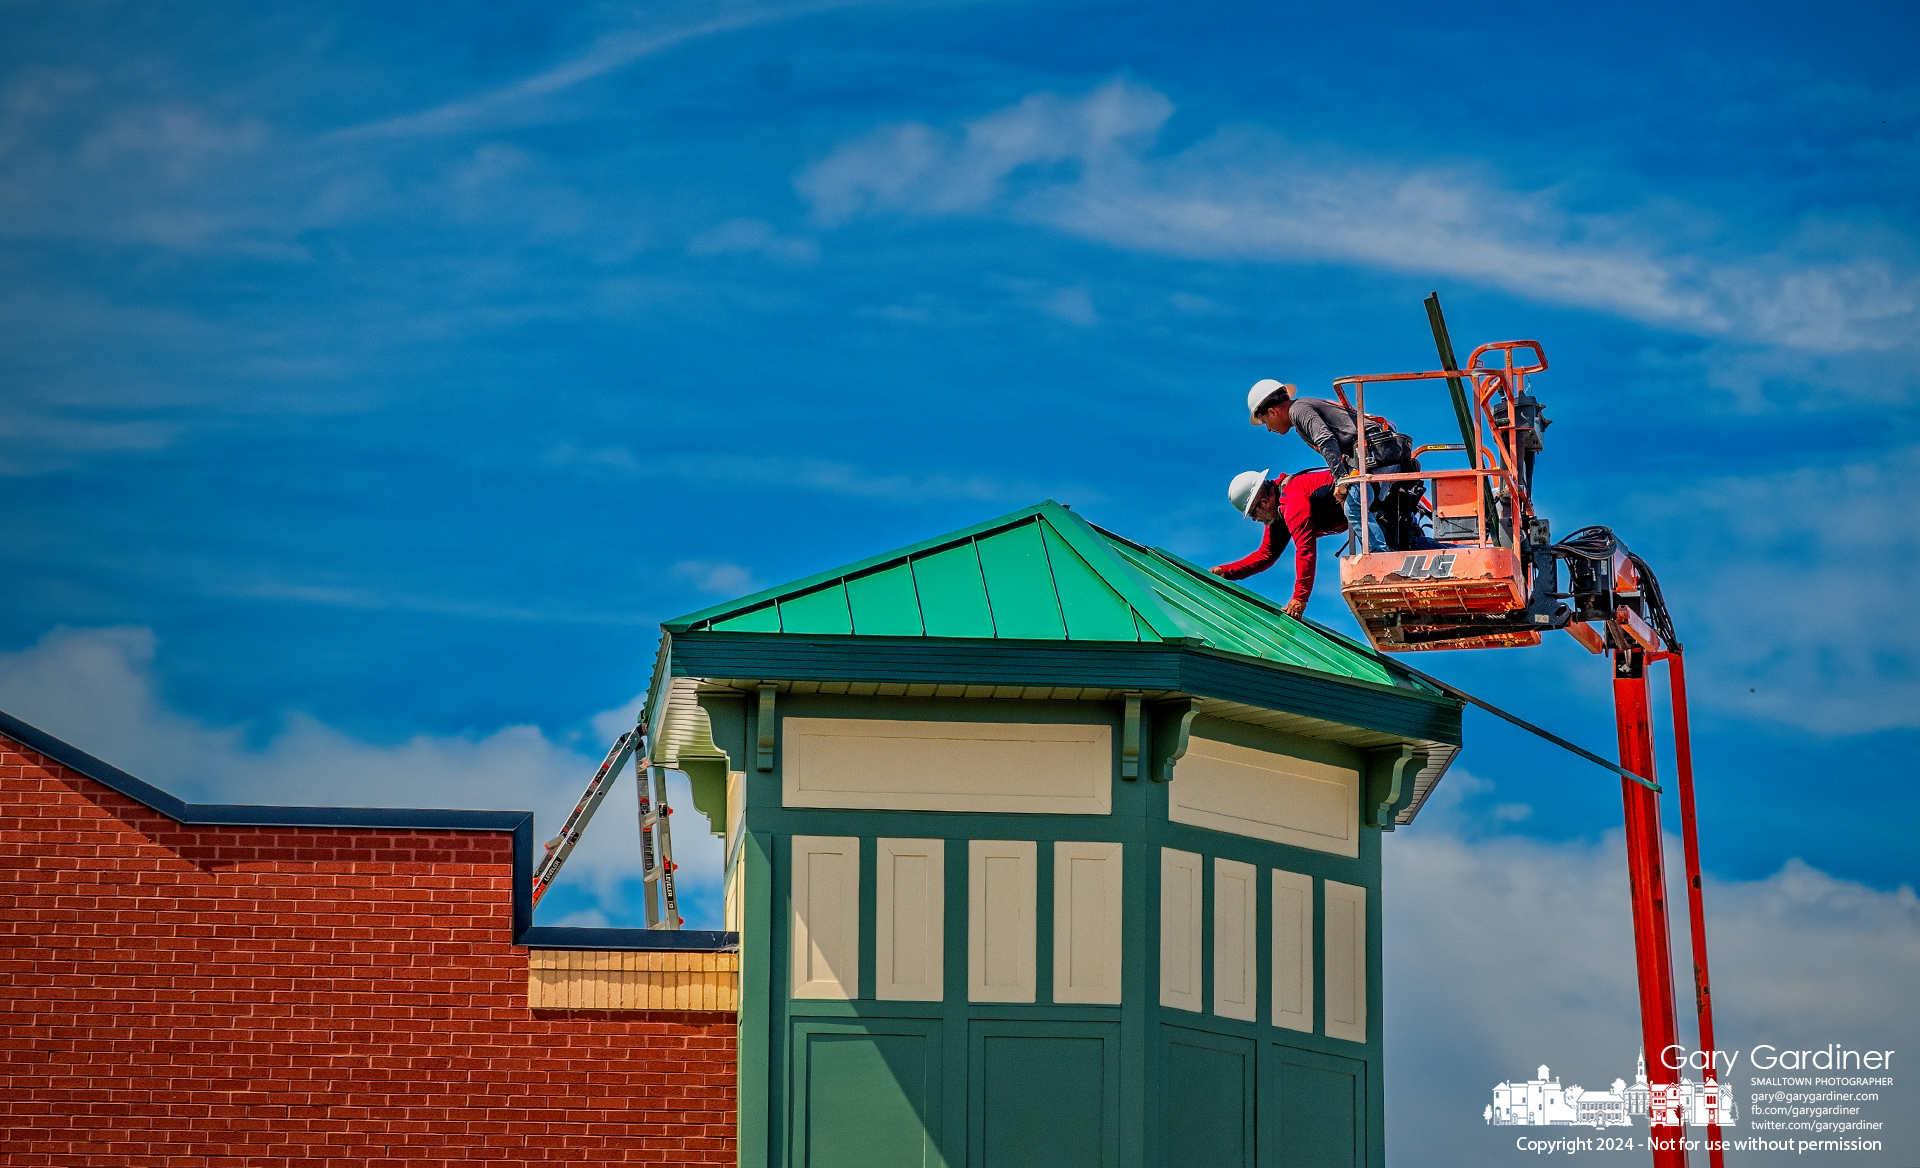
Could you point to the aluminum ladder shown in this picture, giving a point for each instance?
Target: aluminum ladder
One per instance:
(656, 834)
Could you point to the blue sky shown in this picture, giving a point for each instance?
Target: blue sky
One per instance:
(373, 381)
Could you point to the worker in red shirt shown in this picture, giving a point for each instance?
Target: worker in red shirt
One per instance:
(1299, 508)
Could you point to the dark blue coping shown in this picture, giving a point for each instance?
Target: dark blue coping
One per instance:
(520, 823)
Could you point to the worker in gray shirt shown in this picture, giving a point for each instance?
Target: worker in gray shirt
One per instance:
(1329, 428)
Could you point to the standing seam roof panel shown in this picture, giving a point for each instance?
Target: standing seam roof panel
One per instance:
(953, 598)
(1019, 585)
(822, 611)
(1092, 609)
(885, 604)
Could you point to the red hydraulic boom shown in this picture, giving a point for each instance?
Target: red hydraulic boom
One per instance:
(1495, 582)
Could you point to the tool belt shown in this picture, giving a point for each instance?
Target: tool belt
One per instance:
(1386, 446)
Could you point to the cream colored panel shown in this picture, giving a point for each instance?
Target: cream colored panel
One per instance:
(1087, 884)
(1180, 929)
(573, 979)
(1042, 769)
(736, 806)
(1346, 961)
(1293, 951)
(826, 916)
(1000, 908)
(733, 907)
(1236, 939)
(910, 899)
(733, 899)
(1267, 796)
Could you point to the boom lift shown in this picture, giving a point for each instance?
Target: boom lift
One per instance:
(1496, 583)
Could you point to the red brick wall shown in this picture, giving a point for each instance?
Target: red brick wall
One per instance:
(290, 996)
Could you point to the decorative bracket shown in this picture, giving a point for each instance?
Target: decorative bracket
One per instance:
(1187, 708)
(1390, 772)
(1130, 738)
(763, 754)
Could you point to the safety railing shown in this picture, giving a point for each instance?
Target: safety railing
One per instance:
(1498, 450)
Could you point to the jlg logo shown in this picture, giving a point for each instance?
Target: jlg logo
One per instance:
(1417, 568)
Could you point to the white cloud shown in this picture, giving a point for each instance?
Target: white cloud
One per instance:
(177, 138)
(716, 576)
(821, 476)
(610, 52)
(1506, 953)
(95, 688)
(1073, 305)
(1086, 165)
(752, 237)
(36, 441)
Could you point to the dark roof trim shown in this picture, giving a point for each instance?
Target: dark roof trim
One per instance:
(519, 823)
(1386, 709)
(683, 940)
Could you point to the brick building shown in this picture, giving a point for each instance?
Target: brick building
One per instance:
(215, 985)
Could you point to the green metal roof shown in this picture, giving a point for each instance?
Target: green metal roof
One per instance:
(1041, 574)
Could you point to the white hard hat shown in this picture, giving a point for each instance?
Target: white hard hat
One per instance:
(1244, 489)
(1261, 391)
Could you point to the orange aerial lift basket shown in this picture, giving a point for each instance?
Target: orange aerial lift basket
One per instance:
(1476, 590)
